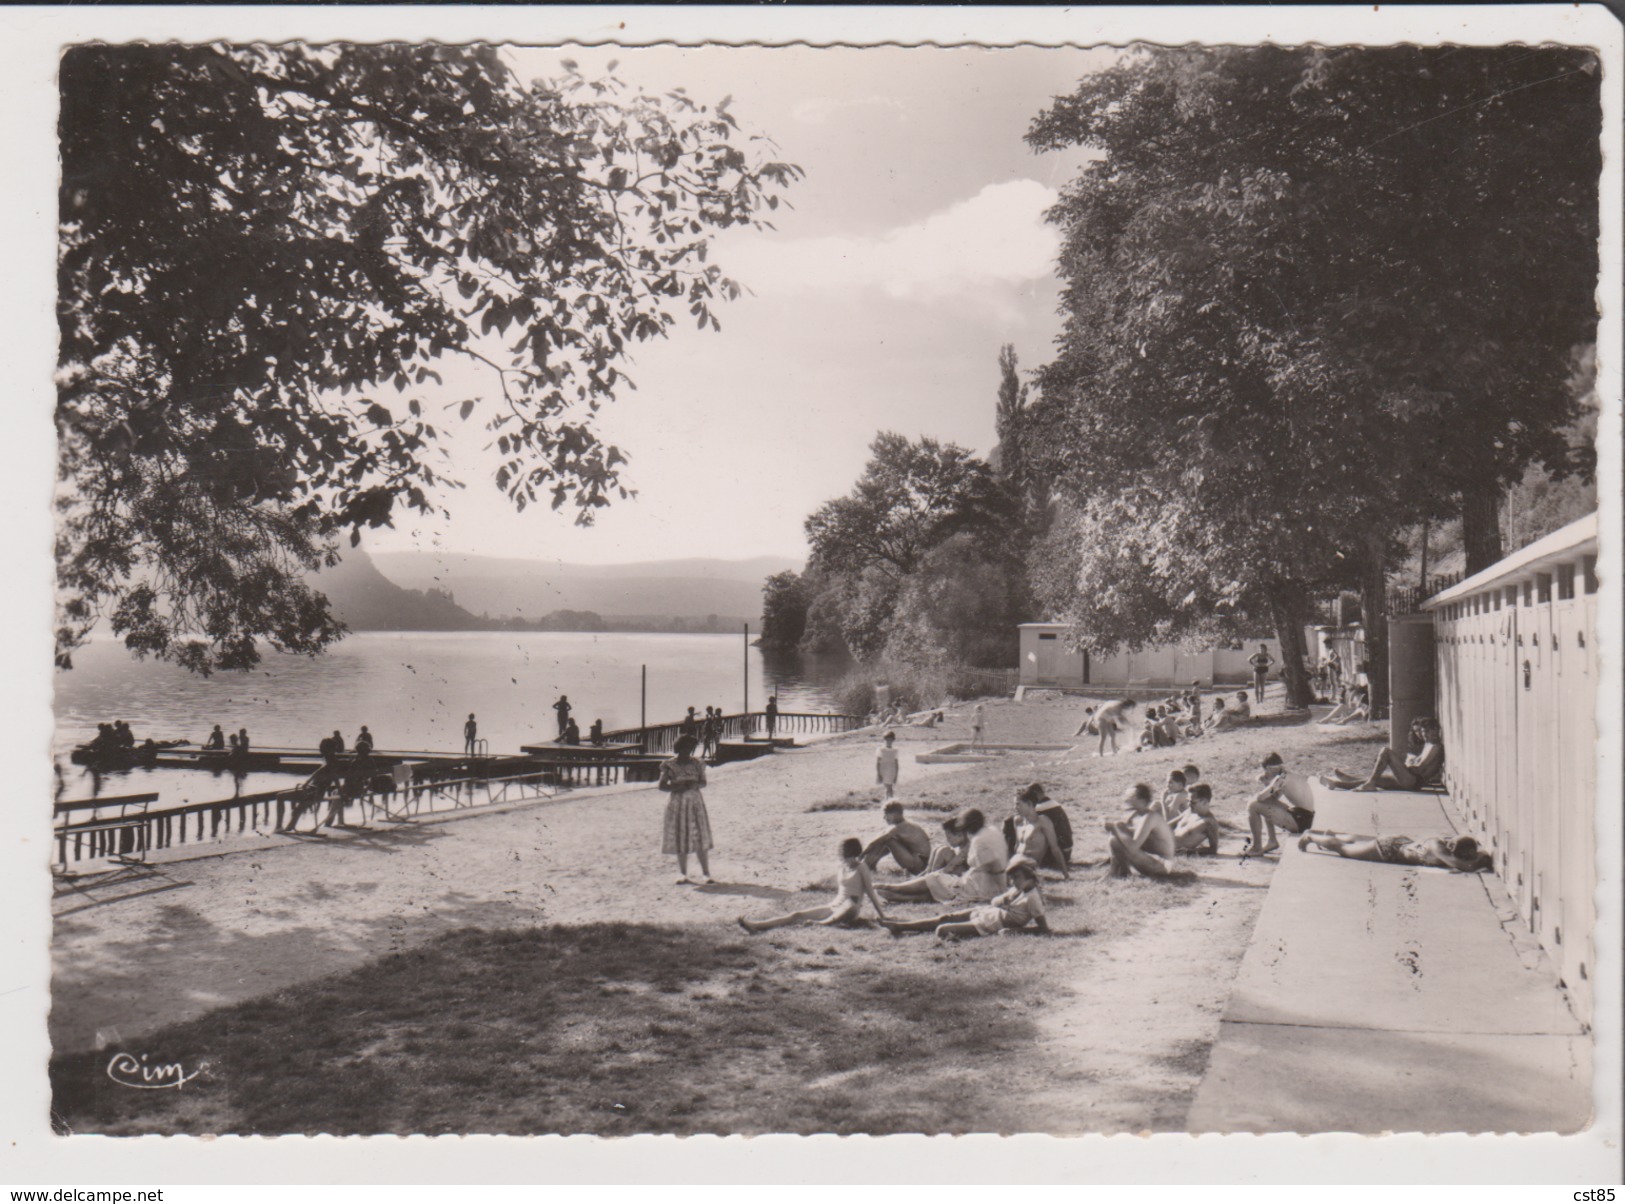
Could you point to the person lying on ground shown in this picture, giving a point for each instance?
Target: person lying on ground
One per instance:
(1422, 766)
(853, 882)
(1143, 842)
(983, 878)
(1198, 824)
(908, 844)
(1011, 911)
(1459, 853)
(1034, 834)
(1287, 801)
(1110, 720)
(1174, 800)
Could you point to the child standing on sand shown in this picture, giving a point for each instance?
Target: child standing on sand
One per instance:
(852, 882)
(886, 764)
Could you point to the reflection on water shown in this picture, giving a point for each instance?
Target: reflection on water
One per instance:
(414, 690)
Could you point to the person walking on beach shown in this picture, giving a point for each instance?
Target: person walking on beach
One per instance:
(562, 709)
(471, 732)
(886, 764)
(1261, 662)
(687, 827)
(772, 715)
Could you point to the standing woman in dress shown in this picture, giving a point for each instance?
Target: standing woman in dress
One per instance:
(687, 828)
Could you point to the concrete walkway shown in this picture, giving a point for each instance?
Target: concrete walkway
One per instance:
(1380, 998)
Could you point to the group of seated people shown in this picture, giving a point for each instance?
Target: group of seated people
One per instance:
(1177, 717)
(112, 737)
(218, 741)
(1353, 706)
(989, 876)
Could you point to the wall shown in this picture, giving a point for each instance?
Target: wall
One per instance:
(1516, 663)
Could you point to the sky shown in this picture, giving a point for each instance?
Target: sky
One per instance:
(915, 248)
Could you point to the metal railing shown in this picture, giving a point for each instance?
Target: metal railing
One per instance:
(658, 739)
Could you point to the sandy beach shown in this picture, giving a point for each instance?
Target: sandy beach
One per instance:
(1105, 1027)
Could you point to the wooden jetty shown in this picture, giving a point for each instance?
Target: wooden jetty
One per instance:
(403, 785)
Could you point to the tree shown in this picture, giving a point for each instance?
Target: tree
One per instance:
(266, 252)
(784, 610)
(911, 497)
(958, 608)
(1295, 290)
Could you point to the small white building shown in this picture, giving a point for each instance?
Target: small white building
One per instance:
(1047, 661)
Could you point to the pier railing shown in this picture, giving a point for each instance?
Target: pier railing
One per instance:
(85, 832)
(657, 739)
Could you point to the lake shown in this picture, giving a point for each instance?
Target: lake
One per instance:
(414, 690)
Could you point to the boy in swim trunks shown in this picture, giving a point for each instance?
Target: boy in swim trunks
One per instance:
(1143, 841)
(1287, 801)
(1012, 911)
(1198, 825)
(1459, 853)
(908, 844)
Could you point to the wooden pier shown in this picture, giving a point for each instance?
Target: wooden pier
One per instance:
(403, 785)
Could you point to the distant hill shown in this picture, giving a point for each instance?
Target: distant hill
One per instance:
(366, 600)
(503, 588)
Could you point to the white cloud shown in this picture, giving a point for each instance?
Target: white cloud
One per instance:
(997, 239)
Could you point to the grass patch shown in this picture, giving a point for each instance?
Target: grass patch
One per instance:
(608, 1029)
(861, 800)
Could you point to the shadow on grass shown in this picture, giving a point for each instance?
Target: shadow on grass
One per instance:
(600, 1028)
(854, 800)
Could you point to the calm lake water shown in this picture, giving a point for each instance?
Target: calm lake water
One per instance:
(414, 690)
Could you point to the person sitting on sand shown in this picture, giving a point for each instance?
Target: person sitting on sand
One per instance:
(1168, 728)
(886, 764)
(950, 856)
(1217, 720)
(1198, 824)
(1111, 719)
(1034, 834)
(985, 857)
(1422, 766)
(1148, 732)
(1011, 911)
(1459, 853)
(1354, 708)
(1287, 801)
(1088, 725)
(1241, 710)
(906, 843)
(1175, 800)
(1143, 841)
(853, 880)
